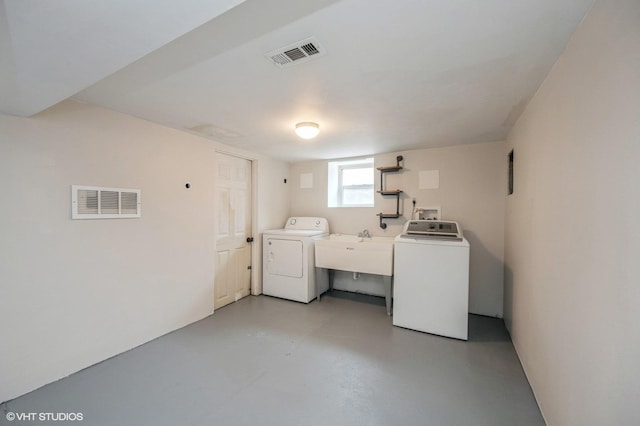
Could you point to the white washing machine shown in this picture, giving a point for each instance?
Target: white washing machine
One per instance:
(431, 279)
(288, 259)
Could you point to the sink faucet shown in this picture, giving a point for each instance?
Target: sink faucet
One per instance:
(364, 234)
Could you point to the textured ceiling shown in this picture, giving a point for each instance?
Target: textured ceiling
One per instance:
(396, 75)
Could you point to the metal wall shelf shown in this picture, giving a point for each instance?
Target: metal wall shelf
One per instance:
(391, 192)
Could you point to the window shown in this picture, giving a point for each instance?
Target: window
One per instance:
(350, 183)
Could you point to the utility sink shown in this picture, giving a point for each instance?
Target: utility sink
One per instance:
(368, 255)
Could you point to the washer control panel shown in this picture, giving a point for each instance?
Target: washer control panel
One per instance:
(433, 228)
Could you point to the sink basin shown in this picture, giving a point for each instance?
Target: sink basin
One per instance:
(372, 255)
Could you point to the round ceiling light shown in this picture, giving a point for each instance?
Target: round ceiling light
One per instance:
(307, 130)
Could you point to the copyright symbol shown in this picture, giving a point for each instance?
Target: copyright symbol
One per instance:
(11, 416)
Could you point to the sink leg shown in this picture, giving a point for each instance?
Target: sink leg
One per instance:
(387, 293)
(318, 277)
(319, 272)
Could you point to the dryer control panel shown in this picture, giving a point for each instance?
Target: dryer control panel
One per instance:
(307, 224)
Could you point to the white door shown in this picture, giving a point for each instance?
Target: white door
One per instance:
(233, 253)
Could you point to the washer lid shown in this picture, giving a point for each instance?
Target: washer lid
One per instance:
(415, 239)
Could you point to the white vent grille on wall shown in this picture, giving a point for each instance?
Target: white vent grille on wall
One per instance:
(296, 53)
(93, 202)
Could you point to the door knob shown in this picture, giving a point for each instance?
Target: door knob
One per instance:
(249, 239)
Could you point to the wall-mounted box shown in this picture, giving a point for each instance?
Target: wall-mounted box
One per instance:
(429, 213)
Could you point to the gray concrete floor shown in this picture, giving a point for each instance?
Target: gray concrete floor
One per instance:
(266, 361)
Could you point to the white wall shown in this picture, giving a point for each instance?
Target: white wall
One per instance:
(472, 192)
(274, 199)
(74, 293)
(572, 284)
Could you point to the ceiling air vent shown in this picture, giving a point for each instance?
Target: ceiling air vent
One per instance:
(296, 53)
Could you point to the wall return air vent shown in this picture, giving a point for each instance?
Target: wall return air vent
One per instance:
(94, 202)
(296, 53)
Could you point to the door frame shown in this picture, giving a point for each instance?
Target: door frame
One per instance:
(255, 249)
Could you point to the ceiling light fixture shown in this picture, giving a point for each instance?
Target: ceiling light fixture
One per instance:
(307, 130)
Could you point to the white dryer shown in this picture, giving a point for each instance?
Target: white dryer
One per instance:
(431, 278)
(288, 259)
